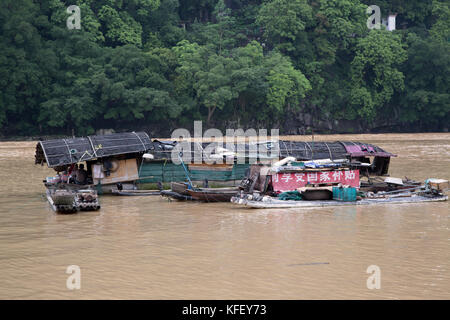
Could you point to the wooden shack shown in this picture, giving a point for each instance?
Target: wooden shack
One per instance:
(110, 159)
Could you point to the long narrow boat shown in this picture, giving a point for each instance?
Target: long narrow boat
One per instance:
(213, 194)
(175, 195)
(178, 191)
(136, 192)
(274, 203)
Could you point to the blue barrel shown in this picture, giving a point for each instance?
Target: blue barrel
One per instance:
(344, 194)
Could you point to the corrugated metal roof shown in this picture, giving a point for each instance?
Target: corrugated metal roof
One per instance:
(299, 149)
(59, 152)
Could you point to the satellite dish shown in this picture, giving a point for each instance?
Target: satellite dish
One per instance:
(148, 156)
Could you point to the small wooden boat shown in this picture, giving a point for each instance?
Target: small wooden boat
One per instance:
(175, 195)
(213, 194)
(179, 187)
(136, 192)
(178, 191)
(183, 192)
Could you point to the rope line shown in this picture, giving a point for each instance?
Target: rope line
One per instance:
(92, 145)
(143, 145)
(68, 149)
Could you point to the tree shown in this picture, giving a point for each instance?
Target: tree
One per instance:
(121, 28)
(374, 71)
(287, 86)
(441, 28)
(210, 74)
(248, 79)
(283, 20)
(342, 21)
(140, 64)
(22, 52)
(427, 98)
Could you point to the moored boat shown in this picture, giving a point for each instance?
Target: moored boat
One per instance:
(178, 191)
(213, 194)
(179, 187)
(274, 203)
(185, 192)
(175, 195)
(136, 192)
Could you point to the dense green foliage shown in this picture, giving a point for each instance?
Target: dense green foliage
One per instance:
(161, 64)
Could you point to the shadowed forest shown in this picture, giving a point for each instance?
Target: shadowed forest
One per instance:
(298, 65)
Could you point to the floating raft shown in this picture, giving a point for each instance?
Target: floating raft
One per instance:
(69, 201)
(273, 203)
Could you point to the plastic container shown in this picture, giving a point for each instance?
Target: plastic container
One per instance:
(55, 179)
(344, 194)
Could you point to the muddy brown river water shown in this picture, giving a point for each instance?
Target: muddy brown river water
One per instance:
(149, 248)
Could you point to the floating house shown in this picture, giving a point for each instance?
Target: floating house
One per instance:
(110, 159)
(328, 174)
(319, 164)
(124, 160)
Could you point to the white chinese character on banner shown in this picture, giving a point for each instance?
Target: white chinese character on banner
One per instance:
(299, 177)
(286, 177)
(337, 175)
(275, 178)
(324, 177)
(312, 177)
(349, 175)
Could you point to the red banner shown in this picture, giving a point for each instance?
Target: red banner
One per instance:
(291, 181)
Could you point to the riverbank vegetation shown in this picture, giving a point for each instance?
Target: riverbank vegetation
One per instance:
(156, 65)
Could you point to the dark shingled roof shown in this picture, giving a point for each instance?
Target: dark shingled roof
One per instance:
(59, 152)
